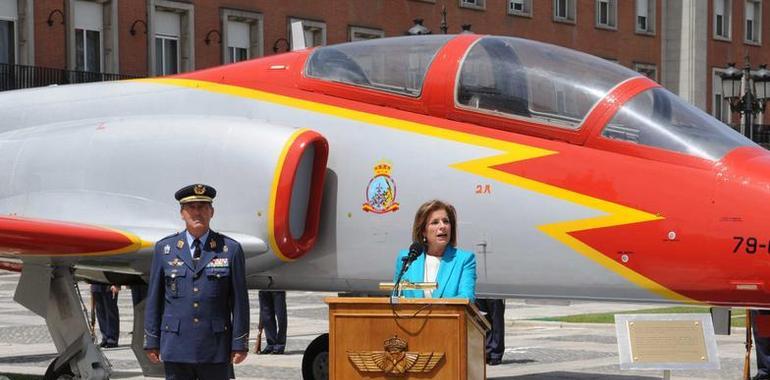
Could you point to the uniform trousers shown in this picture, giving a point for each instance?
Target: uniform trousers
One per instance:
(495, 339)
(138, 293)
(106, 312)
(198, 371)
(272, 314)
(762, 343)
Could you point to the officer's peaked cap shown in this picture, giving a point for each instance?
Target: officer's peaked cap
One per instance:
(196, 193)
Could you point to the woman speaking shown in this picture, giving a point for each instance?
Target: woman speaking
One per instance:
(438, 260)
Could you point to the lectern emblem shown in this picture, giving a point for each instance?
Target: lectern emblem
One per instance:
(395, 360)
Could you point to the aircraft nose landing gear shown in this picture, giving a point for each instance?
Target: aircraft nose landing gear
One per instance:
(315, 361)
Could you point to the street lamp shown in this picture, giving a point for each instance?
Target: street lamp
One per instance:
(755, 93)
(418, 28)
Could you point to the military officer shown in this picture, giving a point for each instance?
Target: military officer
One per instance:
(197, 310)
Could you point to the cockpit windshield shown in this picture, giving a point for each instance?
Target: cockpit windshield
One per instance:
(660, 119)
(513, 76)
(392, 64)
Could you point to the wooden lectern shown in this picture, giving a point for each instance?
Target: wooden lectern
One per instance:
(416, 338)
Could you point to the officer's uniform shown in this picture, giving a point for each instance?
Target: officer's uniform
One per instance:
(272, 314)
(197, 313)
(107, 314)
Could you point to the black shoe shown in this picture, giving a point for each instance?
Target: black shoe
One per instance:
(495, 361)
(266, 350)
(761, 376)
(277, 352)
(108, 345)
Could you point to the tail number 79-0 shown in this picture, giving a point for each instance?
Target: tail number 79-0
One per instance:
(750, 245)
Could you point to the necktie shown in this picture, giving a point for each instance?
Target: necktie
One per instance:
(196, 251)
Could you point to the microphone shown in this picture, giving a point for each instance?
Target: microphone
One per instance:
(415, 250)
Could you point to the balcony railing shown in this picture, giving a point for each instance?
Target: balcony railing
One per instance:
(14, 77)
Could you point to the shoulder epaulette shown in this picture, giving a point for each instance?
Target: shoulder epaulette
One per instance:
(169, 236)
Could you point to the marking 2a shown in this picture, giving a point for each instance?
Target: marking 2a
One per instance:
(483, 189)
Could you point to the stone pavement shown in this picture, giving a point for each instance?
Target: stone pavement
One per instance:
(535, 350)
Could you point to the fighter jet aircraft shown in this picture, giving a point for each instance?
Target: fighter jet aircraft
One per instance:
(573, 177)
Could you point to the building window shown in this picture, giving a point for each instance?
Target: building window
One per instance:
(88, 50)
(166, 54)
(243, 35)
(7, 42)
(753, 11)
(89, 22)
(520, 7)
(722, 19)
(645, 16)
(720, 108)
(172, 29)
(92, 35)
(8, 15)
(17, 40)
(474, 4)
(564, 10)
(647, 69)
(357, 33)
(315, 32)
(606, 13)
(237, 41)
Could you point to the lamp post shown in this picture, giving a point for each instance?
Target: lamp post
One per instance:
(418, 28)
(756, 89)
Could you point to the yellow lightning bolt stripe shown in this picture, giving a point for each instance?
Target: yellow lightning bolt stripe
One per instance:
(615, 214)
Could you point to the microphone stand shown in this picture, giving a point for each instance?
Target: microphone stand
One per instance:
(397, 286)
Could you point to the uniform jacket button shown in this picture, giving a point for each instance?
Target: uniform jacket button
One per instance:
(195, 304)
(195, 320)
(195, 289)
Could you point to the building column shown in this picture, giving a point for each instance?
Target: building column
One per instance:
(685, 49)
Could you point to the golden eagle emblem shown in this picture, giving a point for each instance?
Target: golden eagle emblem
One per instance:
(199, 189)
(395, 360)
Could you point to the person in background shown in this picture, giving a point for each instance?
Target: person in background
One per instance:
(453, 269)
(138, 293)
(106, 300)
(272, 315)
(760, 321)
(495, 339)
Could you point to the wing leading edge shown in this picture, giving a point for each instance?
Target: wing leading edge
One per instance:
(39, 237)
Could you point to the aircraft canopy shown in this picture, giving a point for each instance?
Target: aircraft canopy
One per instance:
(522, 79)
(391, 64)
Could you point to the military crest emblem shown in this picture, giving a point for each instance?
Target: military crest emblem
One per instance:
(199, 189)
(395, 360)
(381, 191)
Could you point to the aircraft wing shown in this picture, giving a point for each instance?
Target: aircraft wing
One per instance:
(40, 237)
(27, 238)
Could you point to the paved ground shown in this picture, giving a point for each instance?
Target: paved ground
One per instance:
(535, 350)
